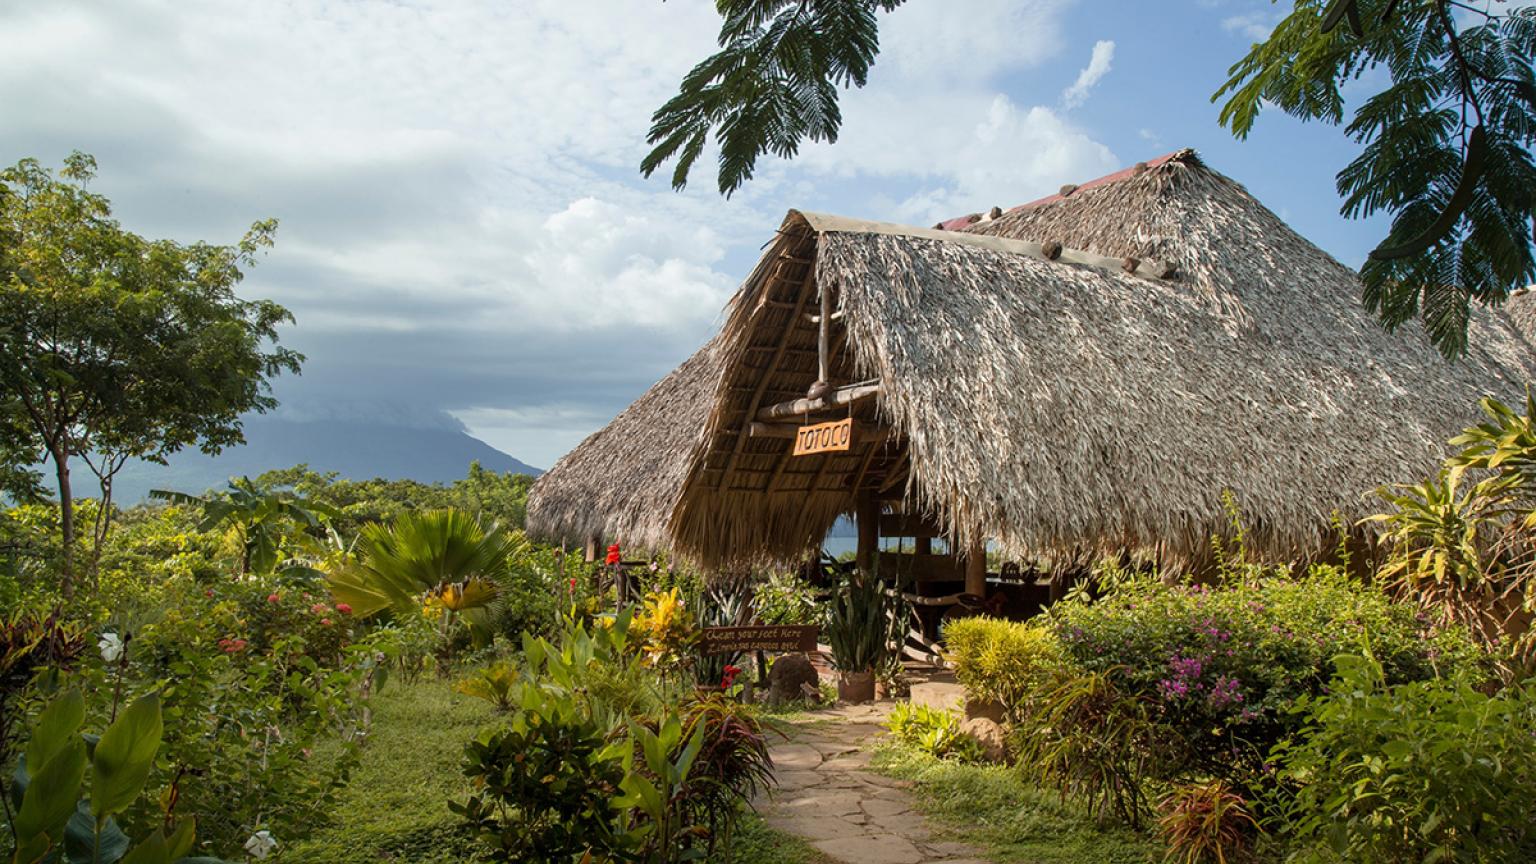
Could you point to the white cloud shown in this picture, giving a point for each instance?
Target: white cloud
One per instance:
(1098, 66)
(1253, 25)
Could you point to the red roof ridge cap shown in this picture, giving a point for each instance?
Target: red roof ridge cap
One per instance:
(962, 222)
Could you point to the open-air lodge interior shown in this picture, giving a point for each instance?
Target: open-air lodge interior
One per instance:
(1098, 372)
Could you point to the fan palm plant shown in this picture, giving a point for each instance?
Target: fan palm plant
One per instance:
(450, 558)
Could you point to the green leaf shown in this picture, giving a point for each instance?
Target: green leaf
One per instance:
(52, 793)
(124, 756)
(84, 845)
(55, 727)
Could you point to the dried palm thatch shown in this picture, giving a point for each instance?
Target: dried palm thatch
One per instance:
(1031, 394)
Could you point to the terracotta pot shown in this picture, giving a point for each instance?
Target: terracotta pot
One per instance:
(856, 687)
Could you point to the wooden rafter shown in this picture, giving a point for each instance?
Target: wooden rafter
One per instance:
(836, 399)
(767, 374)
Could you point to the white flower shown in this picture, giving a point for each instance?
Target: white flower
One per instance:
(261, 844)
(111, 646)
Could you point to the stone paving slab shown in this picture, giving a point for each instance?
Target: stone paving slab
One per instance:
(828, 795)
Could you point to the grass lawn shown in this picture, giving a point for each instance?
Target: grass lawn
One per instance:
(396, 808)
(992, 808)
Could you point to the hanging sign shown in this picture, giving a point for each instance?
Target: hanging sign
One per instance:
(824, 437)
(778, 638)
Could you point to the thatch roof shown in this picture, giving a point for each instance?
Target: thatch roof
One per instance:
(1047, 404)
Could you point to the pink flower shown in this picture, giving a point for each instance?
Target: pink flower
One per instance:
(325, 622)
(319, 609)
(273, 598)
(343, 608)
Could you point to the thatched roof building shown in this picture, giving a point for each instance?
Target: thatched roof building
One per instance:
(1089, 371)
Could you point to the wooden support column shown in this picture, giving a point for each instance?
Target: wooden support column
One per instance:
(591, 550)
(868, 517)
(976, 569)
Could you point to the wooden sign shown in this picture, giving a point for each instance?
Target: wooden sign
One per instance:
(772, 637)
(824, 437)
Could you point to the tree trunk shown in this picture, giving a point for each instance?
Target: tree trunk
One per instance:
(66, 518)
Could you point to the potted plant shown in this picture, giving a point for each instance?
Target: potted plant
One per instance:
(858, 631)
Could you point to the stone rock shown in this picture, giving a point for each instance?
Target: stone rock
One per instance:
(788, 677)
(994, 742)
(987, 708)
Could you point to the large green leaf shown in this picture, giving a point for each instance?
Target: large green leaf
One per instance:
(56, 727)
(83, 844)
(52, 791)
(124, 756)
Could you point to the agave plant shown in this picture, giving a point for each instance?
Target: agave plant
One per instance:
(449, 558)
(859, 624)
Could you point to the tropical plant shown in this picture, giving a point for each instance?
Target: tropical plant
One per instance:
(657, 771)
(547, 785)
(1423, 771)
(1005, 662)
(54, 823)
(859, 624)
(1095, 744)
(932, 730)
(496, 684)
(1206, 822)
(262, 521)
(733, 765)
(666, 629)
(1465, 552)
(448, 559)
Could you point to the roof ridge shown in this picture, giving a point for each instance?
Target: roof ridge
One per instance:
(1181, 156)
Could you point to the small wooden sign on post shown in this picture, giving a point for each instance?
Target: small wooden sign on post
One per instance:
(772, 637)
(824, 437)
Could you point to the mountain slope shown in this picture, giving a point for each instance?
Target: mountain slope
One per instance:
(354, 449)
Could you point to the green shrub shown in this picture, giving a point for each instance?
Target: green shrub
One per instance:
(1006, 662)
(546, 784)
(786, 598)
(933, 731)
(1221, 667)
(1425, 771)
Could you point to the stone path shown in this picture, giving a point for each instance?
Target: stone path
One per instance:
(828, 796)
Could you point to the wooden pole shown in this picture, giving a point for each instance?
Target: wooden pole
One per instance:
(591, 550)
(799, 407)
(823, 340)
(868, 517)
(976, 569)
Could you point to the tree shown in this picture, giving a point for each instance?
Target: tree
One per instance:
(1445, 148)
(116, 347)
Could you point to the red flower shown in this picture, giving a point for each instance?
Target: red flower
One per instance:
(343, 608)
(273, 598)
(230, 646)
(209, 592)
(613, 555)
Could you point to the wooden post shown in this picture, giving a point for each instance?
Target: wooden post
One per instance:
(976, 569)
(591, 551)
(823, 340)
(868, 517)
(924, 546)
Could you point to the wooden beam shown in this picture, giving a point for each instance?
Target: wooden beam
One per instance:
(824, 337)
(836, 399)
(861, 431)
(767, 374)
(867, 513)
(816, 319)
(976, 569)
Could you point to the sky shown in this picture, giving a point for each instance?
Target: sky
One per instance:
(465, 235)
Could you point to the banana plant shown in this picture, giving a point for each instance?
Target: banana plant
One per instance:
(55, 824)
(260, 518)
